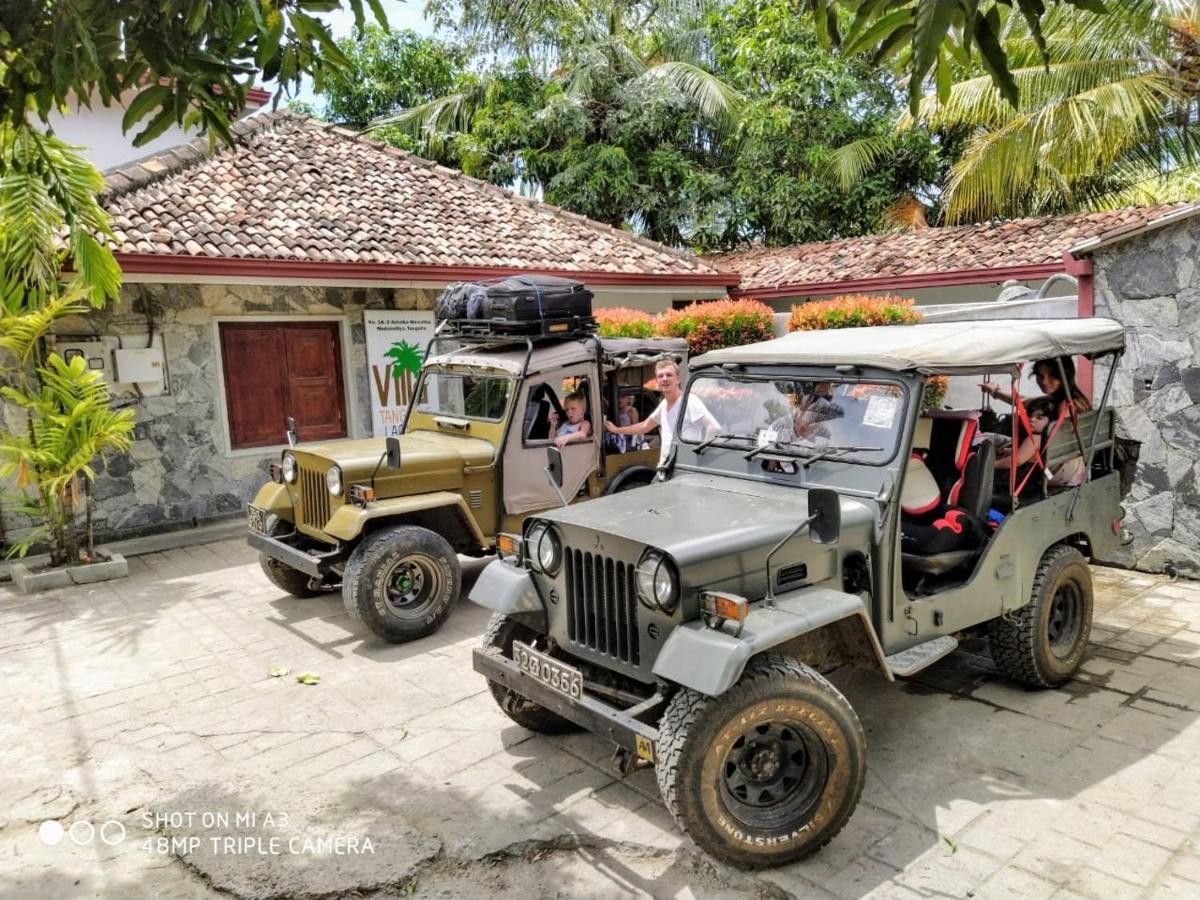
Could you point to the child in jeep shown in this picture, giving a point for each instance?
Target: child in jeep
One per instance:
(577, 427)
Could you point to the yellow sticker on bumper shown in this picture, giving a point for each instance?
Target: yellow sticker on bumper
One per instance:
(645, 748)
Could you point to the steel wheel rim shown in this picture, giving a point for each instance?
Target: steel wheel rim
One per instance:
(774, 775)
(1064, 621)
(409, 584)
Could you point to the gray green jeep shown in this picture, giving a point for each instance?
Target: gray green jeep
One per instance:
(387, 522)
(828, 521)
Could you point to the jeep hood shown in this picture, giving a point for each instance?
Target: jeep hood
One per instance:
(419, 450)
(695, 517)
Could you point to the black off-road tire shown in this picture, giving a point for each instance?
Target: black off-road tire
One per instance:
(635, 480)
(287, 579)
(780, 710)
(1042, 643)
(402, 582)
(498, 639)
(350, 581)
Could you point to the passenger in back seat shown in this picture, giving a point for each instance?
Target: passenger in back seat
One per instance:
(1041, 412)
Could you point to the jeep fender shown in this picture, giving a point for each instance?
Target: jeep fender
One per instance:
(509, 591)
(349, 521)
(711, 660)
(274, 498)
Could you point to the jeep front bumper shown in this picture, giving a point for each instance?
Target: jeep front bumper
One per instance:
(316, 565)
(598, 717)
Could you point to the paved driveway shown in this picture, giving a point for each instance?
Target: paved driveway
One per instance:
(147, 751)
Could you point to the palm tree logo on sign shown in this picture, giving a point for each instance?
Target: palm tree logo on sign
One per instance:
(399, 374)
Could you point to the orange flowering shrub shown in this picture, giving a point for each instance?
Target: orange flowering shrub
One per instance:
(715, 324)
(935, 392)
(853, 311)
(618, 322)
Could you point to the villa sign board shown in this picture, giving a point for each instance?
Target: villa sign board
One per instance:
(396, 342)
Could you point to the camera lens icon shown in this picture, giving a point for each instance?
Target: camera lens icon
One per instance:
(82, 833)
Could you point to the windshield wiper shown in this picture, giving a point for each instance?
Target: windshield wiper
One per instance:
(724, 436)
(835, 452)
(786, 448)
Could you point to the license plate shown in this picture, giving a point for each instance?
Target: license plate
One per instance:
(258, 519)
(548, 671)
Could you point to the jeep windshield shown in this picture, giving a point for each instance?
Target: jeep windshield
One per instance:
(760, 418)
(469, 395)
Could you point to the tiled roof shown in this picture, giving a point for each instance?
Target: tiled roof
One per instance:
(300, 190)
(992, 245)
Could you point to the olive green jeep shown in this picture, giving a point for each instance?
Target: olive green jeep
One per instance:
(387, 520)
(813, 516)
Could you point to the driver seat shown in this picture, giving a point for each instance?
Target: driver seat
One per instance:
(958, 531)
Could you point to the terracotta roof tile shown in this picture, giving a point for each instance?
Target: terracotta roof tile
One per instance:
(1015, 242)
(299, 189)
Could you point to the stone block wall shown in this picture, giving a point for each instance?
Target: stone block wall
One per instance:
(177, 473)
(1151, 284)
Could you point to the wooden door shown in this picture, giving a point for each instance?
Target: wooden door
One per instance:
(278, 369)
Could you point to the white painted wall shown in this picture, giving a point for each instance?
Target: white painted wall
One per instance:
(98, 131)
(924, 297)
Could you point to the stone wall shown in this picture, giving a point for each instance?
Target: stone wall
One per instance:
(1151, 284)
(178, 473)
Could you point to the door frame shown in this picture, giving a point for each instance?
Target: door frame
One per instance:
(350, 388)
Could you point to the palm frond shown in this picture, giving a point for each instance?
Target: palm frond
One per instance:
(847, 165)
(704, 92)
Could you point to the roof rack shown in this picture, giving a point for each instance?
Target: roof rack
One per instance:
(507, 329)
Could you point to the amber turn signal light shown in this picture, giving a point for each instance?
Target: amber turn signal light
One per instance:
(509, 546)
(724, 606)
(361, 494)
(276, 471)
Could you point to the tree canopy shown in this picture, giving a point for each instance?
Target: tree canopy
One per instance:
(1110, 121)
(191, 59)
(697, 123)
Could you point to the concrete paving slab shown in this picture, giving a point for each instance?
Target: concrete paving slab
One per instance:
(130, 706)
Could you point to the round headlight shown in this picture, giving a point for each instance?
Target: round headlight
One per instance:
(289, 468)
(549, 552)
(532, 539)
(333, 481)
(657, 584)
(544, 548)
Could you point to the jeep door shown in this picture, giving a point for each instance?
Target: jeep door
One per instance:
(526, 486)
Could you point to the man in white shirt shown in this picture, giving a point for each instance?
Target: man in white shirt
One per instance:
(698, 423)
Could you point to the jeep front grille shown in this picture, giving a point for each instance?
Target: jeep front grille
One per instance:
(314, 498)
(602, 606)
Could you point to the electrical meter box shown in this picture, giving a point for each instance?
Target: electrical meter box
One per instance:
(140, 365)
(128, 371)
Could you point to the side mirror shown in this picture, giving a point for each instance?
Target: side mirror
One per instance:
(825, 508)
(289, 426)
(393, 452)
(554, 466)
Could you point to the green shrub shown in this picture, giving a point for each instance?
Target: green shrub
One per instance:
(718, 323)
(853, 311)
(619, 322)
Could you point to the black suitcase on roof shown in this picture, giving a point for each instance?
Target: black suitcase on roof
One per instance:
(533, 298)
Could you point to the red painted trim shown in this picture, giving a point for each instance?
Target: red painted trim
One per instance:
(164, 264)
(914, 280)
(257, 95)
(1086, 298)
(1077, 267)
